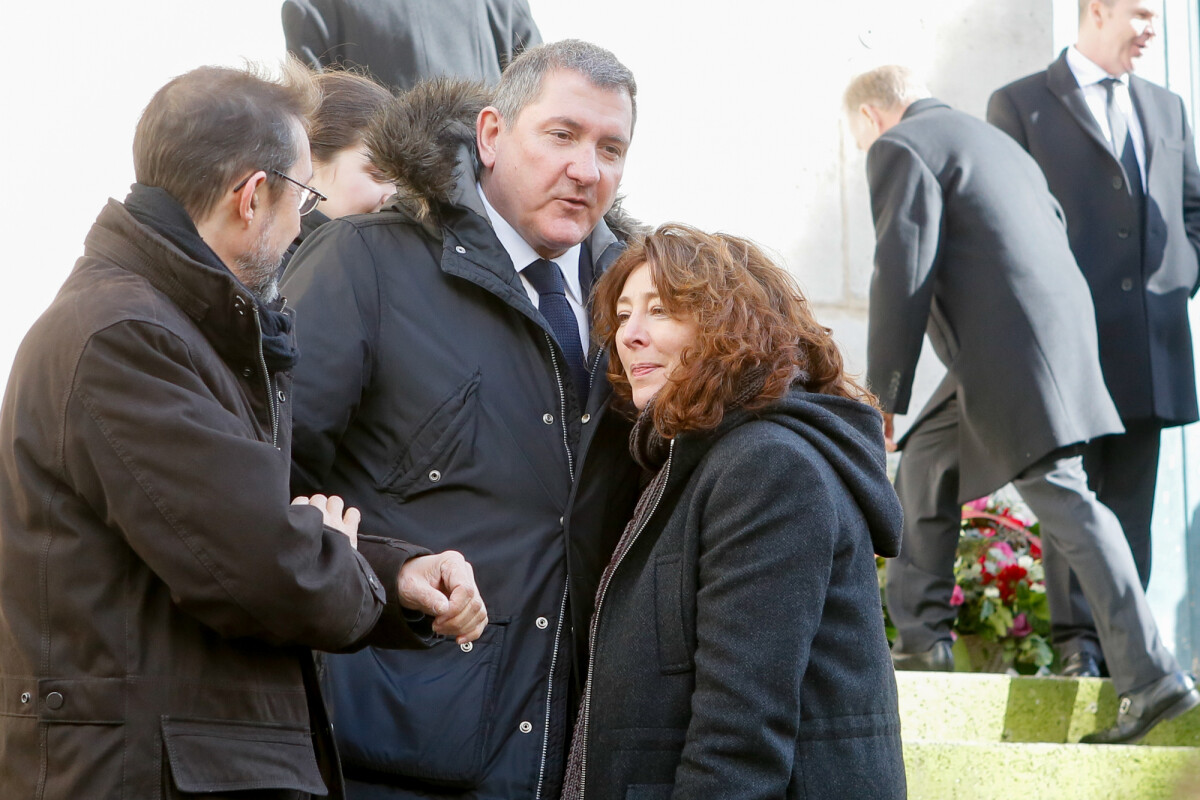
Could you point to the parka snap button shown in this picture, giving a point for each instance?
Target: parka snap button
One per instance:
(1123, 233)
(1117, 182)
(466, 647)
(460, 249)
(1127, 284)
(25, 697)
(585, 419)
(282, 397)
(548, 419)
(435, 475)
(247, 372)
(541, 622)
(54, 701)
(526, 726)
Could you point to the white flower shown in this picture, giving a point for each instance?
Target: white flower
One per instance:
(1026, 562)
(991, 591)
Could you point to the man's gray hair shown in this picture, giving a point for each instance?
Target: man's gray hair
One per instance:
(887, 87)
(521, 82)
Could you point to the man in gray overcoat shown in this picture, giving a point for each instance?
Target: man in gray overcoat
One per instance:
(971, 248)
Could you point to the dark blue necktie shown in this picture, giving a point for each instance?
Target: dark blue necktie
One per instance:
(1122, 141)
(547, 278)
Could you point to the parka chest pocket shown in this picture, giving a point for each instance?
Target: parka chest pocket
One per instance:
(674, 652)
(441, 448)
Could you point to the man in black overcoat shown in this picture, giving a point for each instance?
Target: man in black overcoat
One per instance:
(971, 248)
(1133, 218)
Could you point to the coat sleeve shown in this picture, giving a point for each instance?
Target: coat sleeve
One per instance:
(1003, 114)
(331, 283)
(764, 569)
(1191, 192)
(310, 35)
(203, 502)
(906, 203)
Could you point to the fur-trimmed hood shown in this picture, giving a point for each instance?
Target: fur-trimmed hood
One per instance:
(424, 142)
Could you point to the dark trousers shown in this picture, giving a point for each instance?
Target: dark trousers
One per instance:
(1086, 533)
(1122, 471)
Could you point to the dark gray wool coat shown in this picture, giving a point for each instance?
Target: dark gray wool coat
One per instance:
(739, 649)
(971, 249)
(430, 394)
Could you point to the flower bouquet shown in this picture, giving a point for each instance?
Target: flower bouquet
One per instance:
(1000, 591)
(1003, 618)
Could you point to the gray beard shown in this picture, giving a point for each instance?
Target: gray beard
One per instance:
(258, 269)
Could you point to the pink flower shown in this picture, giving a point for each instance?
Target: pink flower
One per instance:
(978, 505)
(1021, 626)
(1005, 550)
(956, 597)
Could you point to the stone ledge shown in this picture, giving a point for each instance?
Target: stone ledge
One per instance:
(996, 771)
(955, 706)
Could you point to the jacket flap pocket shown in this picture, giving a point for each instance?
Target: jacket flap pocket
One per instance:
(225, 756)
(451, 422)
(422, 714)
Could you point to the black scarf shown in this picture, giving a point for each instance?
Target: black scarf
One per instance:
(158, 210)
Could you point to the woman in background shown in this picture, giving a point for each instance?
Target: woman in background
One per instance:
(342, 169)
(737, 646)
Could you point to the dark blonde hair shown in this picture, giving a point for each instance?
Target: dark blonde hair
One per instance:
(750, 316)
(349, 100)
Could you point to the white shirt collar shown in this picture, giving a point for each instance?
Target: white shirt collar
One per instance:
(1085, 70)
(522, 254)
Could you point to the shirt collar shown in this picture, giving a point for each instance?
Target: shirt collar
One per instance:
(1085, 70)
(523, 255)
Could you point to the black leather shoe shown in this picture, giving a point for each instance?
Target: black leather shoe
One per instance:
(1081, 664)
(1166, 698)
(939, 658)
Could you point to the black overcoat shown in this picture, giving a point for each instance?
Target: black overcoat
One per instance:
(739, 649)
(970, 247)
(1140, 287)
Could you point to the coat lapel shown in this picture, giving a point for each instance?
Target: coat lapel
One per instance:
(1141, 106)
(1062, 83)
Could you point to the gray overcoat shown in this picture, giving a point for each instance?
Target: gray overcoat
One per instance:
(971, 248)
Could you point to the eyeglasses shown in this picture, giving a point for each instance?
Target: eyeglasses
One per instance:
(309, 197)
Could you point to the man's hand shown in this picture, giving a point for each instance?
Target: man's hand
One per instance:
(889, 432)
(337, 516)
(443, 586)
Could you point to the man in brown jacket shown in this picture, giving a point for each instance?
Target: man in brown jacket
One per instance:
(158, 594)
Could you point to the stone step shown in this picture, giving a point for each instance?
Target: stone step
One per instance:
(986, 708)
(974, 770)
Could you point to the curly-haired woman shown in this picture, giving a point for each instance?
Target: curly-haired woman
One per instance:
(737, 646)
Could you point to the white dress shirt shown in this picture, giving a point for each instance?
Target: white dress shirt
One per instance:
(523, 255)
(1088, 75)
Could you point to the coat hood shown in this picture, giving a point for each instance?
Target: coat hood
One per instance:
(424, 142)
(849, 435)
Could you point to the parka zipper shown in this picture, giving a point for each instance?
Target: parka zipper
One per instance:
(562, 409)
(262, 362)
(562, 611)
(562, 405)
(586, 714)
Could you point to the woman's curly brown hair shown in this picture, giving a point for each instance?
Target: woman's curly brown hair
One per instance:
(751, 318)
